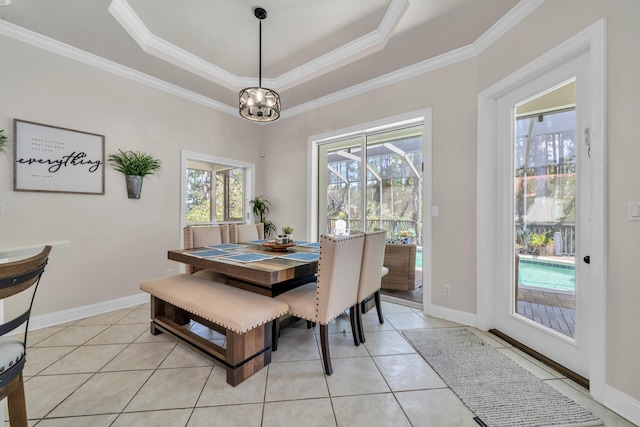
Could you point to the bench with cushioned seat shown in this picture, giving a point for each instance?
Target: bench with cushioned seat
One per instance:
(244, 317)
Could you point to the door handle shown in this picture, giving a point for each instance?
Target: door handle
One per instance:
(587, 259)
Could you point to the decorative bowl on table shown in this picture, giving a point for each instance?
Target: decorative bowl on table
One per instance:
(278, 247)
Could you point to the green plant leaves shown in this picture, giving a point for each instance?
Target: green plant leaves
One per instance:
(134, 163)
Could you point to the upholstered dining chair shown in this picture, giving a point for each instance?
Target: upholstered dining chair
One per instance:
(371, 273)
(334, 292)
(199, 236)
(17, 277)
(249, 232)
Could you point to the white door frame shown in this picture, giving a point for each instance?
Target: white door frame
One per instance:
(569, 352)
(592, 40)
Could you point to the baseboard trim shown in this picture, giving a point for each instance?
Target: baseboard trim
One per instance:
(400, 301)
(622, 404)
(77, 313)
(462, 317)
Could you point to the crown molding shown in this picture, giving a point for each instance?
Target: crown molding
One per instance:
(352, 51)
(504, 24)
(393, 77)
(515, 15)
(162, 49)
(55, 46)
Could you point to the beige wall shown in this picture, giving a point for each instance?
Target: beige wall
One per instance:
(549, 25)
(454, 145)
(452, 92)
(116, 242)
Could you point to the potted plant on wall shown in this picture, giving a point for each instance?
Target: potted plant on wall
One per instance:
(135, 165)
(260, 207)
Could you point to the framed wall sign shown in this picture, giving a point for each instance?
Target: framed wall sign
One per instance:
(53, 159)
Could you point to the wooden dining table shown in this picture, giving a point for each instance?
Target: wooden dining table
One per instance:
(271, 276)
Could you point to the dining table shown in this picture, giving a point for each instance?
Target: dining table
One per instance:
(258, 266)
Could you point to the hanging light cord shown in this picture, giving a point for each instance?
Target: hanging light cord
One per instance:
(260, 55)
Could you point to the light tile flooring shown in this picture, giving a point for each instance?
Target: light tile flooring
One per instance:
(107, 370)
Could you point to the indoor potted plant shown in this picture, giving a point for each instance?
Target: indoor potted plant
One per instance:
(288, 231)
(135, 165)
(260, 207)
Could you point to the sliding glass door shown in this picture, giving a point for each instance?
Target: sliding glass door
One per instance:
(373, 180)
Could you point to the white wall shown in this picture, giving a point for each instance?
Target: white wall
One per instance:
(116, 242)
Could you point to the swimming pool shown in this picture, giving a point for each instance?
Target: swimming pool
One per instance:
(547, 275)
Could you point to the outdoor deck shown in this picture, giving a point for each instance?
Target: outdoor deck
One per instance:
(555, 310)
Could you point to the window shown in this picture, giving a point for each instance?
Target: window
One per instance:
(229, 194)
(198, 196)
(215, 193)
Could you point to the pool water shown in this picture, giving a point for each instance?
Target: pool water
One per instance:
(548, 276)
(419, 257)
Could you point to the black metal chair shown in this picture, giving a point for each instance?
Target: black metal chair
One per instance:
(17, 277)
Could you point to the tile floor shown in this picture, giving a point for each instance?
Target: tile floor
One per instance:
(107, 370)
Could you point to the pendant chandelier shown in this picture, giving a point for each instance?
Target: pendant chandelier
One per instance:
(259, 104)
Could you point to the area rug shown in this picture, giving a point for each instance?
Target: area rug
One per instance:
(500, 392)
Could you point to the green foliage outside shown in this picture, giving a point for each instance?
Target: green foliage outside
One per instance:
(229, 195)
(199, 213)
(198, 196)
(228, 200)
(538, 240)
(394, 200)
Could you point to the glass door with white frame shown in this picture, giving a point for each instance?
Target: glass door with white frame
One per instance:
(541, 299)
(374, 180)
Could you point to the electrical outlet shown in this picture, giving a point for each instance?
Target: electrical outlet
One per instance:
(446, 289)
(169, 271)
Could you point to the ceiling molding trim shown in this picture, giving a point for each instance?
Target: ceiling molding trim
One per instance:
(369, 43)
(426, 66)
(162, 49)
(55, 46)
(504, 24)
(515, 15)
(127, 18)
(350, 52)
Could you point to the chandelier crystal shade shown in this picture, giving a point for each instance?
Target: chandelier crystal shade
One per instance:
(259, 104)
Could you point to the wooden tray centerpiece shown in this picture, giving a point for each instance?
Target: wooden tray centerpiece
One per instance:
(278, 247)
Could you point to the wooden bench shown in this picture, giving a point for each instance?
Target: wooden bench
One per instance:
(244, 317)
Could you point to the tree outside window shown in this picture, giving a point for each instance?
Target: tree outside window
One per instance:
(217, 201)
